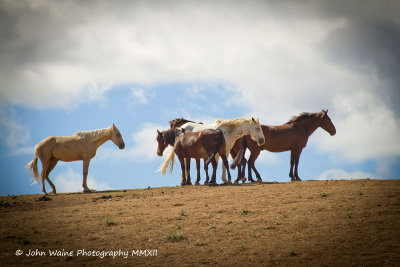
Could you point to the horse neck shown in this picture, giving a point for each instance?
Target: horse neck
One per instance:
(236, 133)
(170, 137)
(101, 136)
(310, 125)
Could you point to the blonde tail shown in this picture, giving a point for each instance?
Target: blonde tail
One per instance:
(33, 169)
(169, 161)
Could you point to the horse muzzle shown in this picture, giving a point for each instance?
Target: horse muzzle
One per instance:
(332, 133)
(261, 141)
(159, 153)
(121, 146)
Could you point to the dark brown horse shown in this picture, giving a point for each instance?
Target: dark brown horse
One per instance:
(292, 136)
(176, 123)
(199, 145)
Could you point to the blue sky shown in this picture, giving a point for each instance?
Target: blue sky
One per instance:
(68, 67)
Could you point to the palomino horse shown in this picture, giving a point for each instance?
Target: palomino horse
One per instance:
(292, 136)
(232, 129)
(199, 145)
(80, 146)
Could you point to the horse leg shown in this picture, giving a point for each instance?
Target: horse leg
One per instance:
(296, 164)
(45, 165)
(252, 158)
(206, 171)
(183, 175)
(223, 177)
(214, 174)
(291, 165)
(188, 182)
(239, 166)
(198, 172)
(52, 164)
(226, 164)
(243, 167)
(226, 169)
(239, 175)
(256, 172)
(86, 163)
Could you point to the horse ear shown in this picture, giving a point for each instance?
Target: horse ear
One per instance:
(253, 120)
(158, 132)
(114, 126)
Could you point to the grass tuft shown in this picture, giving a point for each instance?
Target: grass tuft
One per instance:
(174, 237)
(109, 221)
(244, 213)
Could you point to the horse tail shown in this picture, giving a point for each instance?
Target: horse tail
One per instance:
(240, 159)
(33, 169)
(218, 142)
(169, 161)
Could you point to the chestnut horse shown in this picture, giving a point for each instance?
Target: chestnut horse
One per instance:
(80, 146)
(199, 145)
(292, 136)
(176, 123)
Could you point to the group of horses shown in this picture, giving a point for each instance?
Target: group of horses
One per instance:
(201, 141)
(191, 140)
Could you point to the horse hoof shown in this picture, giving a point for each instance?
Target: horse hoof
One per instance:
(54, 192)
(235, 182)
(206, 183)
(259, 180)
(87, 190)
(244, 179)
(189, 183)
(196, 183)
(298, 179)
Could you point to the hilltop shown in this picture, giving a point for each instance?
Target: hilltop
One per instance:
(336, 223)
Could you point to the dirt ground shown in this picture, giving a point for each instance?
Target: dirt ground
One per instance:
(309, 223)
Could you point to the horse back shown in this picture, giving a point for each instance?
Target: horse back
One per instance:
(64, 148)
(197, 144)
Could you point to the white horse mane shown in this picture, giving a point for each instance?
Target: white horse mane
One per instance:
(231, 124)
(94, 135)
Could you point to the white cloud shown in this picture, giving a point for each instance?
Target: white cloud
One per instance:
(275, 61)
(138, 96)
(15, 134)
(71, 181)
(338, 174)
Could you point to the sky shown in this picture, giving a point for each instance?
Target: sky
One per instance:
(69, 66)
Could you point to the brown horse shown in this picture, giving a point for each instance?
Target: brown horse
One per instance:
(199, 145)
(292, 136)
(80, 146)
(176, 123)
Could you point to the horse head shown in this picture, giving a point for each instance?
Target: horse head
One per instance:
(326, 123)
(116, 137)
(256, 132)
(166, 138)
(162, 144)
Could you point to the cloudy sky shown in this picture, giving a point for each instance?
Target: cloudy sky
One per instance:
(67, 66)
